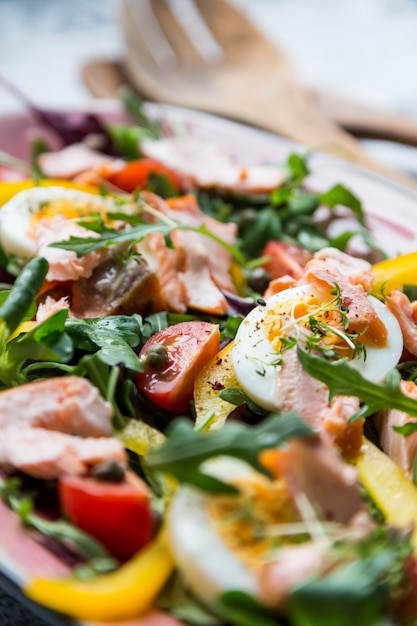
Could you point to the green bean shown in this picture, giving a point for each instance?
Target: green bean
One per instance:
(24, 291)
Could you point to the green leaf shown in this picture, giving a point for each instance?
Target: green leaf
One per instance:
(127, 138)
(159, 183)
(261, 229)
(280, 196)
(134, 106)
(298, 167)
(45, 342)
(230, 326)
(112, 338)
(105, 377)
(85, 245)
(186, 449)
(240, 609)
(311, 238)
(341, 379)
(406, 429)
(411, 292)
(88, 334)
(341, 241)
(238, 397)
(303, 203)
(339, 195)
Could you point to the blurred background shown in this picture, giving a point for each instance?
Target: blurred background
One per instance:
(363, 49)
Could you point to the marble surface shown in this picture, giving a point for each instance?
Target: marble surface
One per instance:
(364, 49)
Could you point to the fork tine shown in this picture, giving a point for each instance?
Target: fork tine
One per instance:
(196, 29)
(144, 20)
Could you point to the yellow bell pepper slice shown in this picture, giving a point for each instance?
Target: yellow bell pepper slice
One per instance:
(390, 488)
(126, 593)
(395, 273)
(8, 189)
(139, 437)
(218, 374)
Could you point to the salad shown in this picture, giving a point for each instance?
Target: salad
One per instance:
(207, 386)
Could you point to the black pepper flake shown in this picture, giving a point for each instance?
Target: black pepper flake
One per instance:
(217, 386)
(261, 302)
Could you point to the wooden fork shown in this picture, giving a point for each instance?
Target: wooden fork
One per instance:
(206, 54)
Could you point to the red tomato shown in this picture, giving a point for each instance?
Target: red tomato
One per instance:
(136, 174)
(189, 345)
(119, 515)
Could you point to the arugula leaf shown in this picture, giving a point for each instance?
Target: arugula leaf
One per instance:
(186, 449)
(339, 195)
(84, 245)
(341, 379)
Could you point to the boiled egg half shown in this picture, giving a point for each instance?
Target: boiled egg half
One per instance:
(265, 332)
(220, 542)
(18, 217)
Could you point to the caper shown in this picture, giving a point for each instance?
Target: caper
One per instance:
(156, 356)
(110, 470)
(259, 279)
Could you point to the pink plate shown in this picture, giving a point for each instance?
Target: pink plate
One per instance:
(391, 209)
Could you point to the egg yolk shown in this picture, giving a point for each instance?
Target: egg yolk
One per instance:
(315, 315)
(242, 521)
(68, 209)
(290, 318)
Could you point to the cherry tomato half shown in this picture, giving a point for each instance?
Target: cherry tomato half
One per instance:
(119, 515)
(189, 346)
(136, 174)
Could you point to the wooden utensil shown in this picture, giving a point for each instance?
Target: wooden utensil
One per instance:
(105, 77)
(233, 71)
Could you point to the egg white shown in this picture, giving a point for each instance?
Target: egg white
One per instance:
(256, 362)
(15, 215)
(207, 566)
